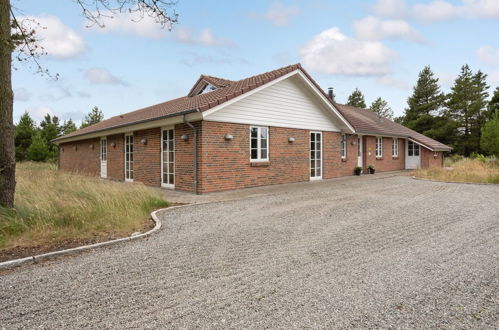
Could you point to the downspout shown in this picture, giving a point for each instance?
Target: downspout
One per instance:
(195, 134)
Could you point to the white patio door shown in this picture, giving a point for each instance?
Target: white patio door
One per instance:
(168, 158)
(315, 155)
(359, 151)
(103, 158)
(412, 158)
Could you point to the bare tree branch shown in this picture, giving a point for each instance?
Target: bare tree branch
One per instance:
(162, 11)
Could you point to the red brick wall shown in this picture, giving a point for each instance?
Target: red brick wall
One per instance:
(184, 156)
(147, 157)
(116, 157)
(334, 165)
(226, 164)
(428, 160)
(83, 160)
(387, 162)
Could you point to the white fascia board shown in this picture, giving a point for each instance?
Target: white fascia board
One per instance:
(275, 81)
(195, 116)
(419, 143)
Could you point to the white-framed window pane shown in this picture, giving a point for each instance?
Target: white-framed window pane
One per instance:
(259, 143)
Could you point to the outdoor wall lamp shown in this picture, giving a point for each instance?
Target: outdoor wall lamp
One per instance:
(143, 141)
(91, 146)
(291, 139)
(435, 154)
(228, 137)
(113, 144)
(75, 148)
(184, 137)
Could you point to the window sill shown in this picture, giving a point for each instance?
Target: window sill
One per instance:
(379, 158)
(343, 159)
(395, 157)
(259, 164)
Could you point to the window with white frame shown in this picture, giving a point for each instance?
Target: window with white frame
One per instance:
(103, 149)
(343, 146)
(379, 147)
(259, 142)
(395, 147)
(412, 149)
(129, 157)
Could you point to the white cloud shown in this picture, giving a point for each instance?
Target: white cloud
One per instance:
(147, 27)
(390, 8)
(103, 76)
(437, 10)
(334, 53)
(57, 39)
(131, 23)
(205, 38)
(22, 94)
(488, 55)
(278, 14)
(373, 28)
(37, 113)
(391, 81)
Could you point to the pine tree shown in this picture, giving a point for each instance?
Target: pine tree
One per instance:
(381, 107)
(466, 105)
(489, 141)
(68, 127)
(93, 117)
(425, 101)
(356, 99)
(25, 130)
(38, 150)
(50, 129)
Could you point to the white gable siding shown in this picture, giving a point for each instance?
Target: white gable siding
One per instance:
(288, 103)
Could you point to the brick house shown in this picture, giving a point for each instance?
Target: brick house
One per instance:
(272, 128)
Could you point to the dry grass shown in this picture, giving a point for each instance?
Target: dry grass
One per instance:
(52, 207)
(464, 170)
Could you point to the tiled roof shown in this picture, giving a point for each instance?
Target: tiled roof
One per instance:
(363, 121)
(185, 104)
(369, 122)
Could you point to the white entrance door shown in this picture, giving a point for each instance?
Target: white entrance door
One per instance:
(412, 159)
(315, 155)
(359, 151)
(103, 158)
(168, 158)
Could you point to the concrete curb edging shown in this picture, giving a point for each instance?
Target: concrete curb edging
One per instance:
(477, 183)
(39, 257)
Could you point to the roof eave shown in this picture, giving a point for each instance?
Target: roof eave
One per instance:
(62, 138)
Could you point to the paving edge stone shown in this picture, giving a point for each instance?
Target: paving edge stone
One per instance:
(477, 183)
(33, 259)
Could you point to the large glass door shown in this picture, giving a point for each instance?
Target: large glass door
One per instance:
(168, 158)
(315, 155)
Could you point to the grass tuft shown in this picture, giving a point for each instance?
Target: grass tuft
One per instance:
(476, 170)
(53, 206)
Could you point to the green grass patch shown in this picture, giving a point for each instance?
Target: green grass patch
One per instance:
(53, 206)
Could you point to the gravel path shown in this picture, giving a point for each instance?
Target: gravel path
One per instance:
(390, 252)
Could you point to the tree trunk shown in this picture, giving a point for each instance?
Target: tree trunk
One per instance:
(7, 148)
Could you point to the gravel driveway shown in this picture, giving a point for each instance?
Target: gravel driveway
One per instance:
(362, 252)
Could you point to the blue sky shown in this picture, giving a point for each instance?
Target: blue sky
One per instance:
(378, 46)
